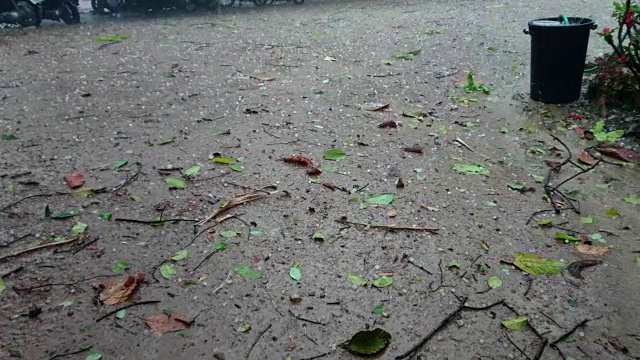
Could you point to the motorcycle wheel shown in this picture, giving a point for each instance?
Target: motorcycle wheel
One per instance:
(298, 2)
(34, 17)
(69, 13)
(226, 3)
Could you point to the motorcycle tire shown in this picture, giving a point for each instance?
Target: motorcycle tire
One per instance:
(35, 15)
(298, 2)
(69, 13)
(259, 3)
(227, 3)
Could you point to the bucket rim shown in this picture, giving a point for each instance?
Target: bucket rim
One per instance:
(583, 21)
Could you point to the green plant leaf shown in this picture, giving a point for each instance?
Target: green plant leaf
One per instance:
(223, 160)
(504, 130)
(243, 328)
(603, 186)
(329, 168)
(545, 223)
(516, 323)
(111, 38)
(494, 281)
(534, 265)
(94, 356)
(515, 186)
(356, 280)
(587, 220)
(106, 216)
(613, 212)
(168, 271)
(237, 167)
(83, 193)
(562, 236)
(378, 309)
(256, 233)
(180, 255)
(247, 272)
(119, 266)
(193, 170)
(219, 246)
(169, 74)
(632, 199)
(453, 264)
(65, 304)
(318, 236)
(383, 199)
(228, 234)
(59, 215)
(637, 262)
(78, 228)
(538, 179)
(408, 55)
(2, 285)
(295, 273)
(471, 169)
(383, 282)
(369, 342)
(175, 183)
(334, 154)
(8, 137)
(597, 237)
(120, 164)
(416, 113)
(121, 314)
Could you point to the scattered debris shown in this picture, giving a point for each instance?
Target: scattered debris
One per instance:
(343, 220)
(163, 323)
(368, 342)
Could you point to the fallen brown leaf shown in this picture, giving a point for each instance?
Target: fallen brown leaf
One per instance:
(329, 185)
(586, 158)
(120, 291)
(74, 180)
(616, 343)
(218, 215)
(554, 165)
(312, 170)
(593, 250)
(388, 124)
(621, 154)
(375, 107)
(161, 323)
(418, 149)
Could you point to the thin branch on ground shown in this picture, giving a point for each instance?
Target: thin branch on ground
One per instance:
(223, 283)
(530, 281)
(85, 245)
(204, 260)
(154, 222)
(73, 284)
(459, 141)
(11, 272)
(10, 205)
(569, 333)
(317, 356)
(81, 350)
(16, 240)
(257, 339)
(305, 319)
(389, 227)
(419, 267)
(126, 307)
(443, 324)
(550, 318)
(441, 278)
(126, 182)
(270, 134)
(517, 347)
(36, 248)
(384, 75)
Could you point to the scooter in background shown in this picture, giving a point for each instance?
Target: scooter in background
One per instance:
(20, 12)
(59, 10)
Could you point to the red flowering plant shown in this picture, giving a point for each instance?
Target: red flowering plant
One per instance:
(616, 76)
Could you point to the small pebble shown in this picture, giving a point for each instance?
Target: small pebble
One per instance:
(481, 341)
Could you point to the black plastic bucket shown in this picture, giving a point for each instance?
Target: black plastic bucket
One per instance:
(558, 54)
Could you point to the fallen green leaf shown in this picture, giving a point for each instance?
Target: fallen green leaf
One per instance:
(356, 280)
(243, 328)
(315, 180)
(65, 304)
(246, 271)
(597, 237)
(603, 186)
(534, 265)
(193, 170)
(228, 234)
(223, 160)
(587, 220)
(59, 215)
(408, 55)
(180, 255)
(8, 137)
(453, 263)
(471, 86)
(515, 186)
(169, 74)
(78, 228)
(637, 264)
(255, 233)
(516, 323)
(295, 273)
(106, 216)
(112, 38)
(318, 235)
(494, 281)
(538, 179)
(504, 130)
(612, 213)
(121, 314)
(2, 285)
(416, 113)
(236, 167)
(82, 192)
(369, 342)
(329, 168)
(382, 282)
(632, 199)
(378, 309)
(334, 154)
(384, 199)
(119, 266)
(562, 236)
(168, 271)
(220, 245)
(120, 164)
(433, 32)
(175, 183)
(94, 356)
(545, 223)
(471, 169)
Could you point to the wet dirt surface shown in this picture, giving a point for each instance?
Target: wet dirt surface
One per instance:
(261, 84)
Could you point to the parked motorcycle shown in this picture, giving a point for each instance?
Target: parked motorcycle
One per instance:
(20, 12)
(59, 10)
(297, 2)
(227, 3)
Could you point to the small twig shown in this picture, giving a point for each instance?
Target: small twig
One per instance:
(305, 319)
(126, 307)
(109, 43)
(6, 207)
(203, 260)
(360, 189)
(31, 288)
(317, 356)
(528, 287)
(383, 75)
(470, 148)
(550, 318)
(85, 245)
(16, 240)
(256, 340)
(268, 133)
(81, 350)
(126, 182)
(420, 267)
(35, 248)
(517, 347)
(154, 222)
(224, 282)
(570, 332)
(11, 272)
(442, 324)
(537, 213)
(389, 227)
(441, 278)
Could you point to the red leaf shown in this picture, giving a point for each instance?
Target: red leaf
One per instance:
(580, 131)
(621, 154)
(329, 186)
(414, 149)
(162, 323)
(298, 159)
(586, 158)
(74, 180)
(388, 124)
(576, 116)
(312, 170)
